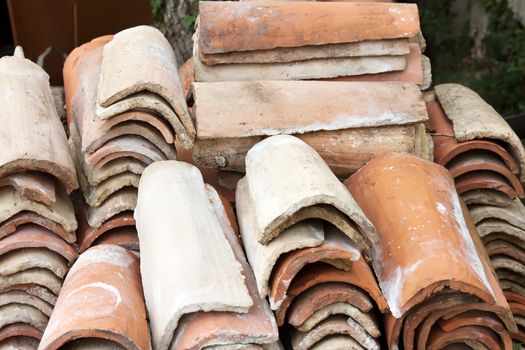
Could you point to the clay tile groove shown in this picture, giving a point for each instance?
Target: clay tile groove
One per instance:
(483, 179)
(12, 224)
(20, 330)
(125, 237)
(430, 247)
(501, 247)
(289, 182)
(23, 149)
(174, 192)
(227, 27)
(104, 289)
(440, 339)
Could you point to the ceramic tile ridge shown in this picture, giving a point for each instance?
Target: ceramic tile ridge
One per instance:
(12, 224)
(27, 101)
(282, 197)
(173, 191)
(23, 298)
(104, 289)
(141, 59)
(473, 118)
(32, 185)
(230, 27)
(207, 329)
(436, 230)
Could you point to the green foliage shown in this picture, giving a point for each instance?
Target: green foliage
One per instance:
(500, 76)
(157, 7)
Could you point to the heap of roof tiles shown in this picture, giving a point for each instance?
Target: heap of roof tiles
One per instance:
(37, 220)
(487, 161)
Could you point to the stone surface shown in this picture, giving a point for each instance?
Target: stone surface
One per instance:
(141, 59)
(289, 182)
(230, 27)
(331, 326)
(104, 291)
(87, 235)
(473, 118)
(26, 217)
(35, 186)
(26, 258)
(431, 248)
(27, 101)
(264, 257)
(61, 212)
(286, 107)
(177, 261)
(208, 329)
(335, 250)
(120, 201)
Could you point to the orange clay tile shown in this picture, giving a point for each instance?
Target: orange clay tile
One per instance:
(440, 339)
(103, 288)
(20, 330)
(425, 245)
(237, 26)
(126, 237)
(32, 236)
(33, 185)
(474, 161)
(501, 247)
(186, 74)
(206, 329)
(484, 179)
(35, 290)
(336, 250)
(26, 217)
(87, 235)
(360, 276)
(446, 146)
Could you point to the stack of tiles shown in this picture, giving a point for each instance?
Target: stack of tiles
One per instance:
(37, 220)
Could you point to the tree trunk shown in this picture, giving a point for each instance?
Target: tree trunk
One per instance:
(177, 16)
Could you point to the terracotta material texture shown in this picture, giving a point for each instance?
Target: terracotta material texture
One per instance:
(23, 148)
(125, 237)
(141, 59)
(486, 196)
(120, 201)
(178, 260)
(229, 27)
(514, 214)
(289, 182)
(26, 217)
(442, 252)
(483, 179)
(473, 118)
(32, 185)
(104, 290)
(26, 258)
(206, 329)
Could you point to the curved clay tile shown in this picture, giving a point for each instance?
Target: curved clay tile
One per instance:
(12, 224)
(487, 197)
(440, 339)
(289, 182)
(18, 330)
(35, 186)
(23, 298)
(32, 236)
(230, 27)
(104, 289)
(121, 201)
(470, 116)
(514, 297)
(208, 329)
(488, 227)
(501, 262)
(469, 162)
(41, 277)
(187, 76)
(24, 149)
(325, 294)
(141, 59)
(431, 247)
(87, 235)
(502, 237)
(61, 212)
(262, 257)
(335, 250)
(446, 146)
(22, 343)
(486, 180)
(337, 342)
(35, 290)
(96, 175)
(22, 313)
(513, 214)
(93, 343)
(26, 258)
(501, 247)
(333, 326)
(174, 192)
(96, 195)
(125, 146)
(126, 237)
(359, 276)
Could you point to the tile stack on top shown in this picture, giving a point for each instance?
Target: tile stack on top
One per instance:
(199, 289)
(431, 266)
(361, 41)
(304, 236)
(121, 118)
(37, 220)
(487, 160)
(347, 123)
(101, 305)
